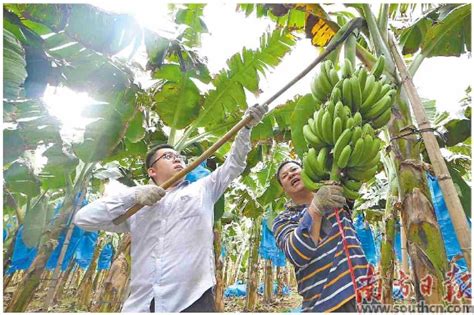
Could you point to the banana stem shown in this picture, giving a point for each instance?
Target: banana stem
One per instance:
(380, 46)
(416, 64)
(383, 21)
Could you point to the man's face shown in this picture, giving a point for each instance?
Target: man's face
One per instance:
(290, 178)
(165, 164)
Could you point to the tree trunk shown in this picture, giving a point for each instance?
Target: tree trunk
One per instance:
(6, 281)
(268, 291)
(252, 269)
(56, 278)
(98, 279)
(235, 275)
(85, 289)
(225, 272)
(31, 280)
(62, 284)
(292, 277)
(458, 218)
(424, 241)
(115, 284)
(8, 254)
(279, 276)
(72, 275)
(219, 298)
(387, 248)
(403, 247)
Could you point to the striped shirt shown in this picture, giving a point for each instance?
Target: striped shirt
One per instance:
(322, 271)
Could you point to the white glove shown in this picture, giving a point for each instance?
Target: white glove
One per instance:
(148, 195)
(328, 198)
(256, 112)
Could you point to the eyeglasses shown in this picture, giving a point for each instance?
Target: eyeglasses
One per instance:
(170, 156)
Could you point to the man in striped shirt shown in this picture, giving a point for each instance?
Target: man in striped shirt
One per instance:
(308, 232)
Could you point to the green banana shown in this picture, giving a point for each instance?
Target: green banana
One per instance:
(319, 124)
(321, 160)
(336, 129)
(333, 77)
(339, 110)
(357, 119)
(356, 134)
(349, 123)
(349, 193)
(383, 119)
(347, 93)
(336, 95)
(369, 85)
(311, 125)
(357, 152)
(372, 162)
(352, 184)
(330, 108)
(384, 90)
(371, 98)
(313, 163)
(327, 127)
(315, 89)
(368, 130)
(307, 168)
(328, 65)
(372, 151)
(324, 81)
(362, 76)
(320, 88)
(347, 69)
(368, 141)
(346, 114)
(310, 138)
(343, 140)
(356, 94)
(308, 183)
(379, 107)
(361, 175)
(377, 70)
(343, 158)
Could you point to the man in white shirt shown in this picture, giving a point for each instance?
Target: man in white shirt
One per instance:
(172, 237)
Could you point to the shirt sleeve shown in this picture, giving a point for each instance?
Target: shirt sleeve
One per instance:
(294, 240)
(98, 215)
(217, 182)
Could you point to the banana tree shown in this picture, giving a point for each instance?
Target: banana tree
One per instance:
(82, 62)
(412, 180)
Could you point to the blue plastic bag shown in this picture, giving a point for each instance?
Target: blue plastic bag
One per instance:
(268, 248)
(105, 257)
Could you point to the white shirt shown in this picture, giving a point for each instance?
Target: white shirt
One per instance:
(172, 242)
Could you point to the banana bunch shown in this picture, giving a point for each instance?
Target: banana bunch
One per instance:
(324, 82)
(354, 158)
(357, 156)
(371, 94)
(341, 135)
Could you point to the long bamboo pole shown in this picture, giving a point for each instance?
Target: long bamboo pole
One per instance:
(354, 24)
(450, 194)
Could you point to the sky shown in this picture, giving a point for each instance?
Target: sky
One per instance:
(442, 78)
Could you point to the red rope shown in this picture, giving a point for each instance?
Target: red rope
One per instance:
(346, 250)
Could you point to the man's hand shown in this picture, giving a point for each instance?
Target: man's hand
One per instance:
(327, 198)
(256, 112)
(148, 195)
